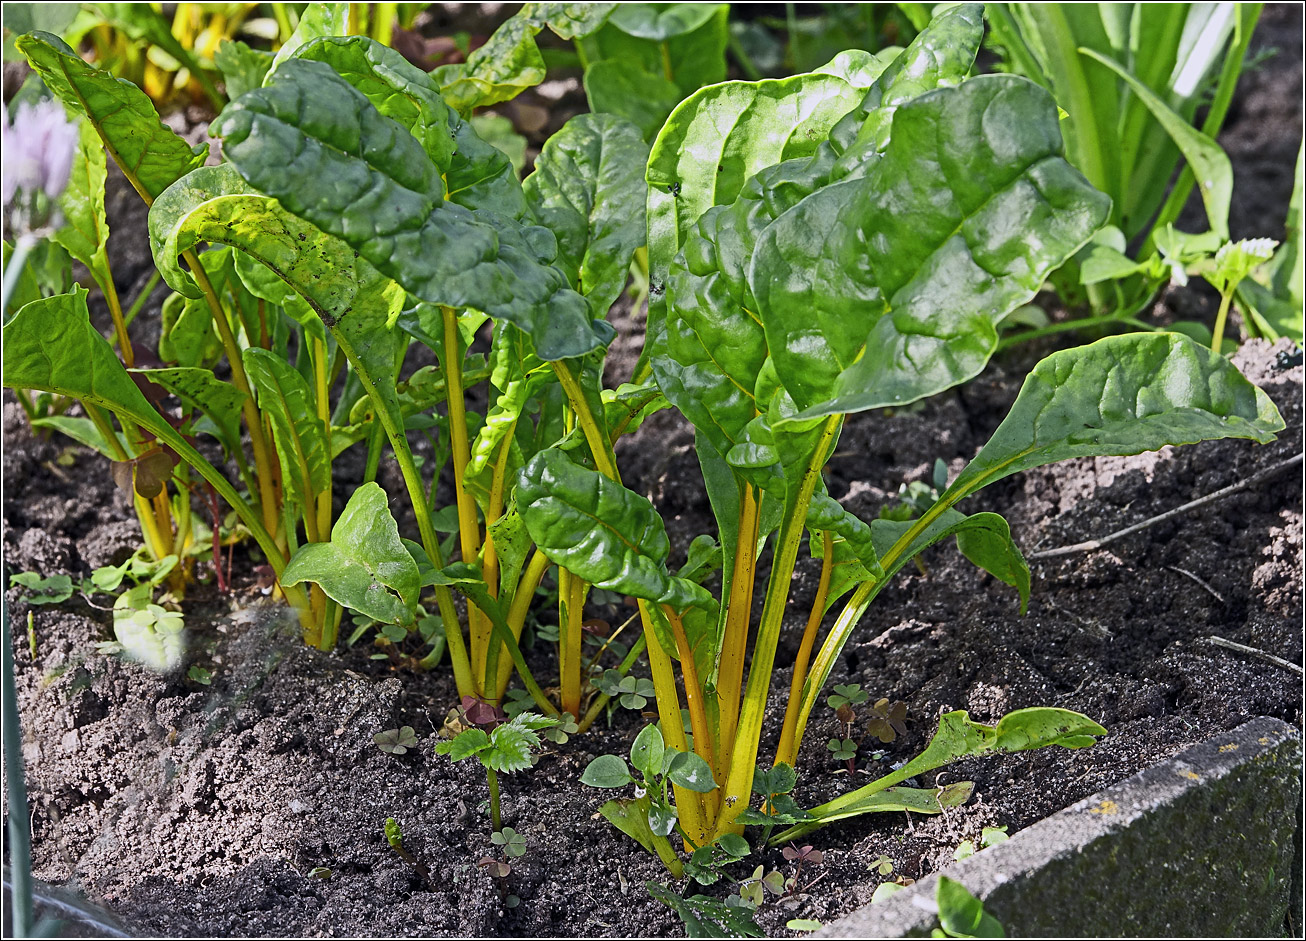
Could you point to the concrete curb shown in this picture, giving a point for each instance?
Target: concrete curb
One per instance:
(1207, 843)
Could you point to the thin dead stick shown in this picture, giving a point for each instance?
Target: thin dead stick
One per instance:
(1170, 514)
(1253, 652)
(1214, 594)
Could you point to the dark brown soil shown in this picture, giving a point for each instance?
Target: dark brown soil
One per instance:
(193, 810)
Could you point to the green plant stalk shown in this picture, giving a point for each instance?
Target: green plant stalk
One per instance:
(23, 246)
(330, 610)
(119, 322)
(1221, 315)
(704, 740)
(517, 611)
(20, 855)
(739, 782)
(1122, 318)
(375, 435)
(492, 779)
(253, 421)
(1215, 115)
(688, 803)
(141, 298)
(430, 540)
(571, 600)
(383, 22)
(31, 634)
(284, 27)
(144, 512)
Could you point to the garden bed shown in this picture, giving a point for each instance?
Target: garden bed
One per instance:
(201, 810)
(256, 804)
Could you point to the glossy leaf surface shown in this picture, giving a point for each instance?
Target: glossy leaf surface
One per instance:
(286, 400)
(151, 155)
(588, 188)
(365, 566)
(1122, 395)
(317, 145)
(597, 529)
(85, 232)
(882, 290)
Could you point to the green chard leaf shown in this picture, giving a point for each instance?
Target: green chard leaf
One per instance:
(885, 289)
(85, 233)
(317, 21)
(151, 155)
(365, 566)
(506, 65)
(592, 526)
(300, 138)
(958, 737)
(588, 189)
(243, 68)
(1121, 395)
(201, 390)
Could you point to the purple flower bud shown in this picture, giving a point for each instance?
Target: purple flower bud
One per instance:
(38, 151)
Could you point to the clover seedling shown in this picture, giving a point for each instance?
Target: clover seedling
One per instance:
(513, 845)
(632, 692)
(396, 741)
(989, 836)
(889, 720)
(200, 675)
(650, 817)
(507, 748)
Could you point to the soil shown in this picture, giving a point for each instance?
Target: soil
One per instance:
(203, 810)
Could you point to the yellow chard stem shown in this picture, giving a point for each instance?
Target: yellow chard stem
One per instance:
(469, 526)
(787, 752)
(739, 783)
(734, 643)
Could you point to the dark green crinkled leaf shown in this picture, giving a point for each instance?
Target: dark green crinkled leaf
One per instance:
(506, 65)
(570, 20)
(151, 155)
(613, 86)
(882, 290)
(365, 566)
(662, 21)
(302, 137)
(395, 87)
(588, 188)
(1121, 395)
(592, 526)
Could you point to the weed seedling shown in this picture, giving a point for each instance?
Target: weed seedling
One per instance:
(508, 747)
(396, 741)
(799, 855)
(395, 837)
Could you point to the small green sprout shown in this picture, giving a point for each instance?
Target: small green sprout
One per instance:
(989, 836)
(396, 741)
(509, 747)
(707, 863)
(843, 749)
(751, 889)
(395, 837)
(803, 924)
(1234, 262)
(200, 675)
(149, 633)
(882, 865)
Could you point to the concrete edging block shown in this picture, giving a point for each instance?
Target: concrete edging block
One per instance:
(1206, 843)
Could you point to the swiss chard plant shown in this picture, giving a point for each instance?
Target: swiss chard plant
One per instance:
(359, 213)
(823, 245)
